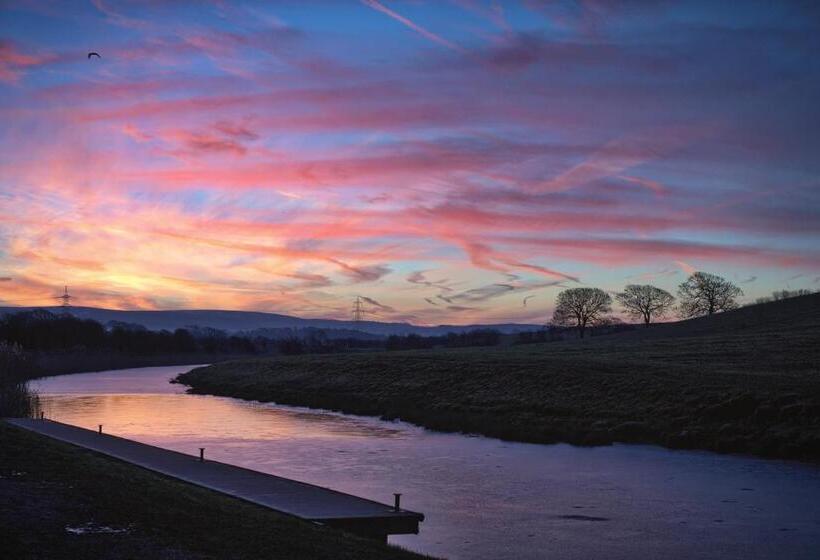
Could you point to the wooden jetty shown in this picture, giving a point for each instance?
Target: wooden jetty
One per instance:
(306, 501)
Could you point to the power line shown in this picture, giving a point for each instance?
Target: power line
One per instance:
(66, 298)
(358, 309)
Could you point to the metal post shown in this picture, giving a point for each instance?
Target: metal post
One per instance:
(397, 502)
(201, 454)
(100, 428)
(42, 415)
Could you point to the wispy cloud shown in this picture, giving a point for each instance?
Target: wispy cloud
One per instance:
(290, 166)
(368, 273)
(417, 277)
(310, 280)
(14, 61)
(414, 26)
(459, 308)
(377, 305)
(686, 267)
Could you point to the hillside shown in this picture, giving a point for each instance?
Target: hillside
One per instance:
(235, 321)
(744, 381)
(776, 317)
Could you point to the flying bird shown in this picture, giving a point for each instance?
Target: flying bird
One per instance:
(93, 54)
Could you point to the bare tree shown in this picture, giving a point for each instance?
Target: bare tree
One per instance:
(581, 307)
(705, 294)
(645, 302)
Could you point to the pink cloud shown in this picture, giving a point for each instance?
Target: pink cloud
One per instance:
(619, 252)
(14, 62)
(289, 166)
(655, 186)
(686, 267)
(622, 154)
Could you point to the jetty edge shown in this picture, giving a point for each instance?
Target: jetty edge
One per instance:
(309, 502)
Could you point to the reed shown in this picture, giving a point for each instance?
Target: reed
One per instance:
(16, 398)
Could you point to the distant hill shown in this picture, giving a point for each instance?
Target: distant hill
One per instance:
(799, 313)
(244, 321)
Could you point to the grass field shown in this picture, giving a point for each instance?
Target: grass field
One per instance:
(743, 381)
(61, 502)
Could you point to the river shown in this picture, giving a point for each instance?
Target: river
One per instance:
(483, 498)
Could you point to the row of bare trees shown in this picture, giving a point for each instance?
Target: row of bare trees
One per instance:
(778, 295)
(701, 294)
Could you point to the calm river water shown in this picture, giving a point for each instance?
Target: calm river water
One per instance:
(483, 498)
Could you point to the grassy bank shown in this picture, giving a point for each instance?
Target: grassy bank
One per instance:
(745, 381)
(49, 491)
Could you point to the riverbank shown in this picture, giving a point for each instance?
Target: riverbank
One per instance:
(747, 382)
(58, 501)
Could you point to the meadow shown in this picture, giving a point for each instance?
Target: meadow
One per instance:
(744, 381)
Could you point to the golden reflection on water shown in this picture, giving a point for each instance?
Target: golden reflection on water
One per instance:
(141, 403)
(171, 416)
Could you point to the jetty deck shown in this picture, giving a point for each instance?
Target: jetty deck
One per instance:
(306, 501)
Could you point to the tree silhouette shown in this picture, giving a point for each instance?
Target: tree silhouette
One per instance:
(645, 302)
(15, 368)
(581, 307)
(705, 294)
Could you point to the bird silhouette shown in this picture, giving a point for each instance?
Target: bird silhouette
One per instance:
(93, 54)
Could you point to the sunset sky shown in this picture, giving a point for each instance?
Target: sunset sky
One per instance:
(453, 161)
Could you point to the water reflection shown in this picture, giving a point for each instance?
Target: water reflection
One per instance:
(483, 498)
(121, 381)
(156, 415)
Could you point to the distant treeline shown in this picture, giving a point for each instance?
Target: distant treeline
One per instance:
(43, 332)
(318, 344)
(492, 337)
(478, 337)
(779, 295)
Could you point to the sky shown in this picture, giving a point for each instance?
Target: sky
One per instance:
(454, 161)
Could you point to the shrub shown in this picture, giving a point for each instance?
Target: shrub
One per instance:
(15, 368)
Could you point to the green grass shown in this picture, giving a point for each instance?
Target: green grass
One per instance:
(745, 381)
(46, 486)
